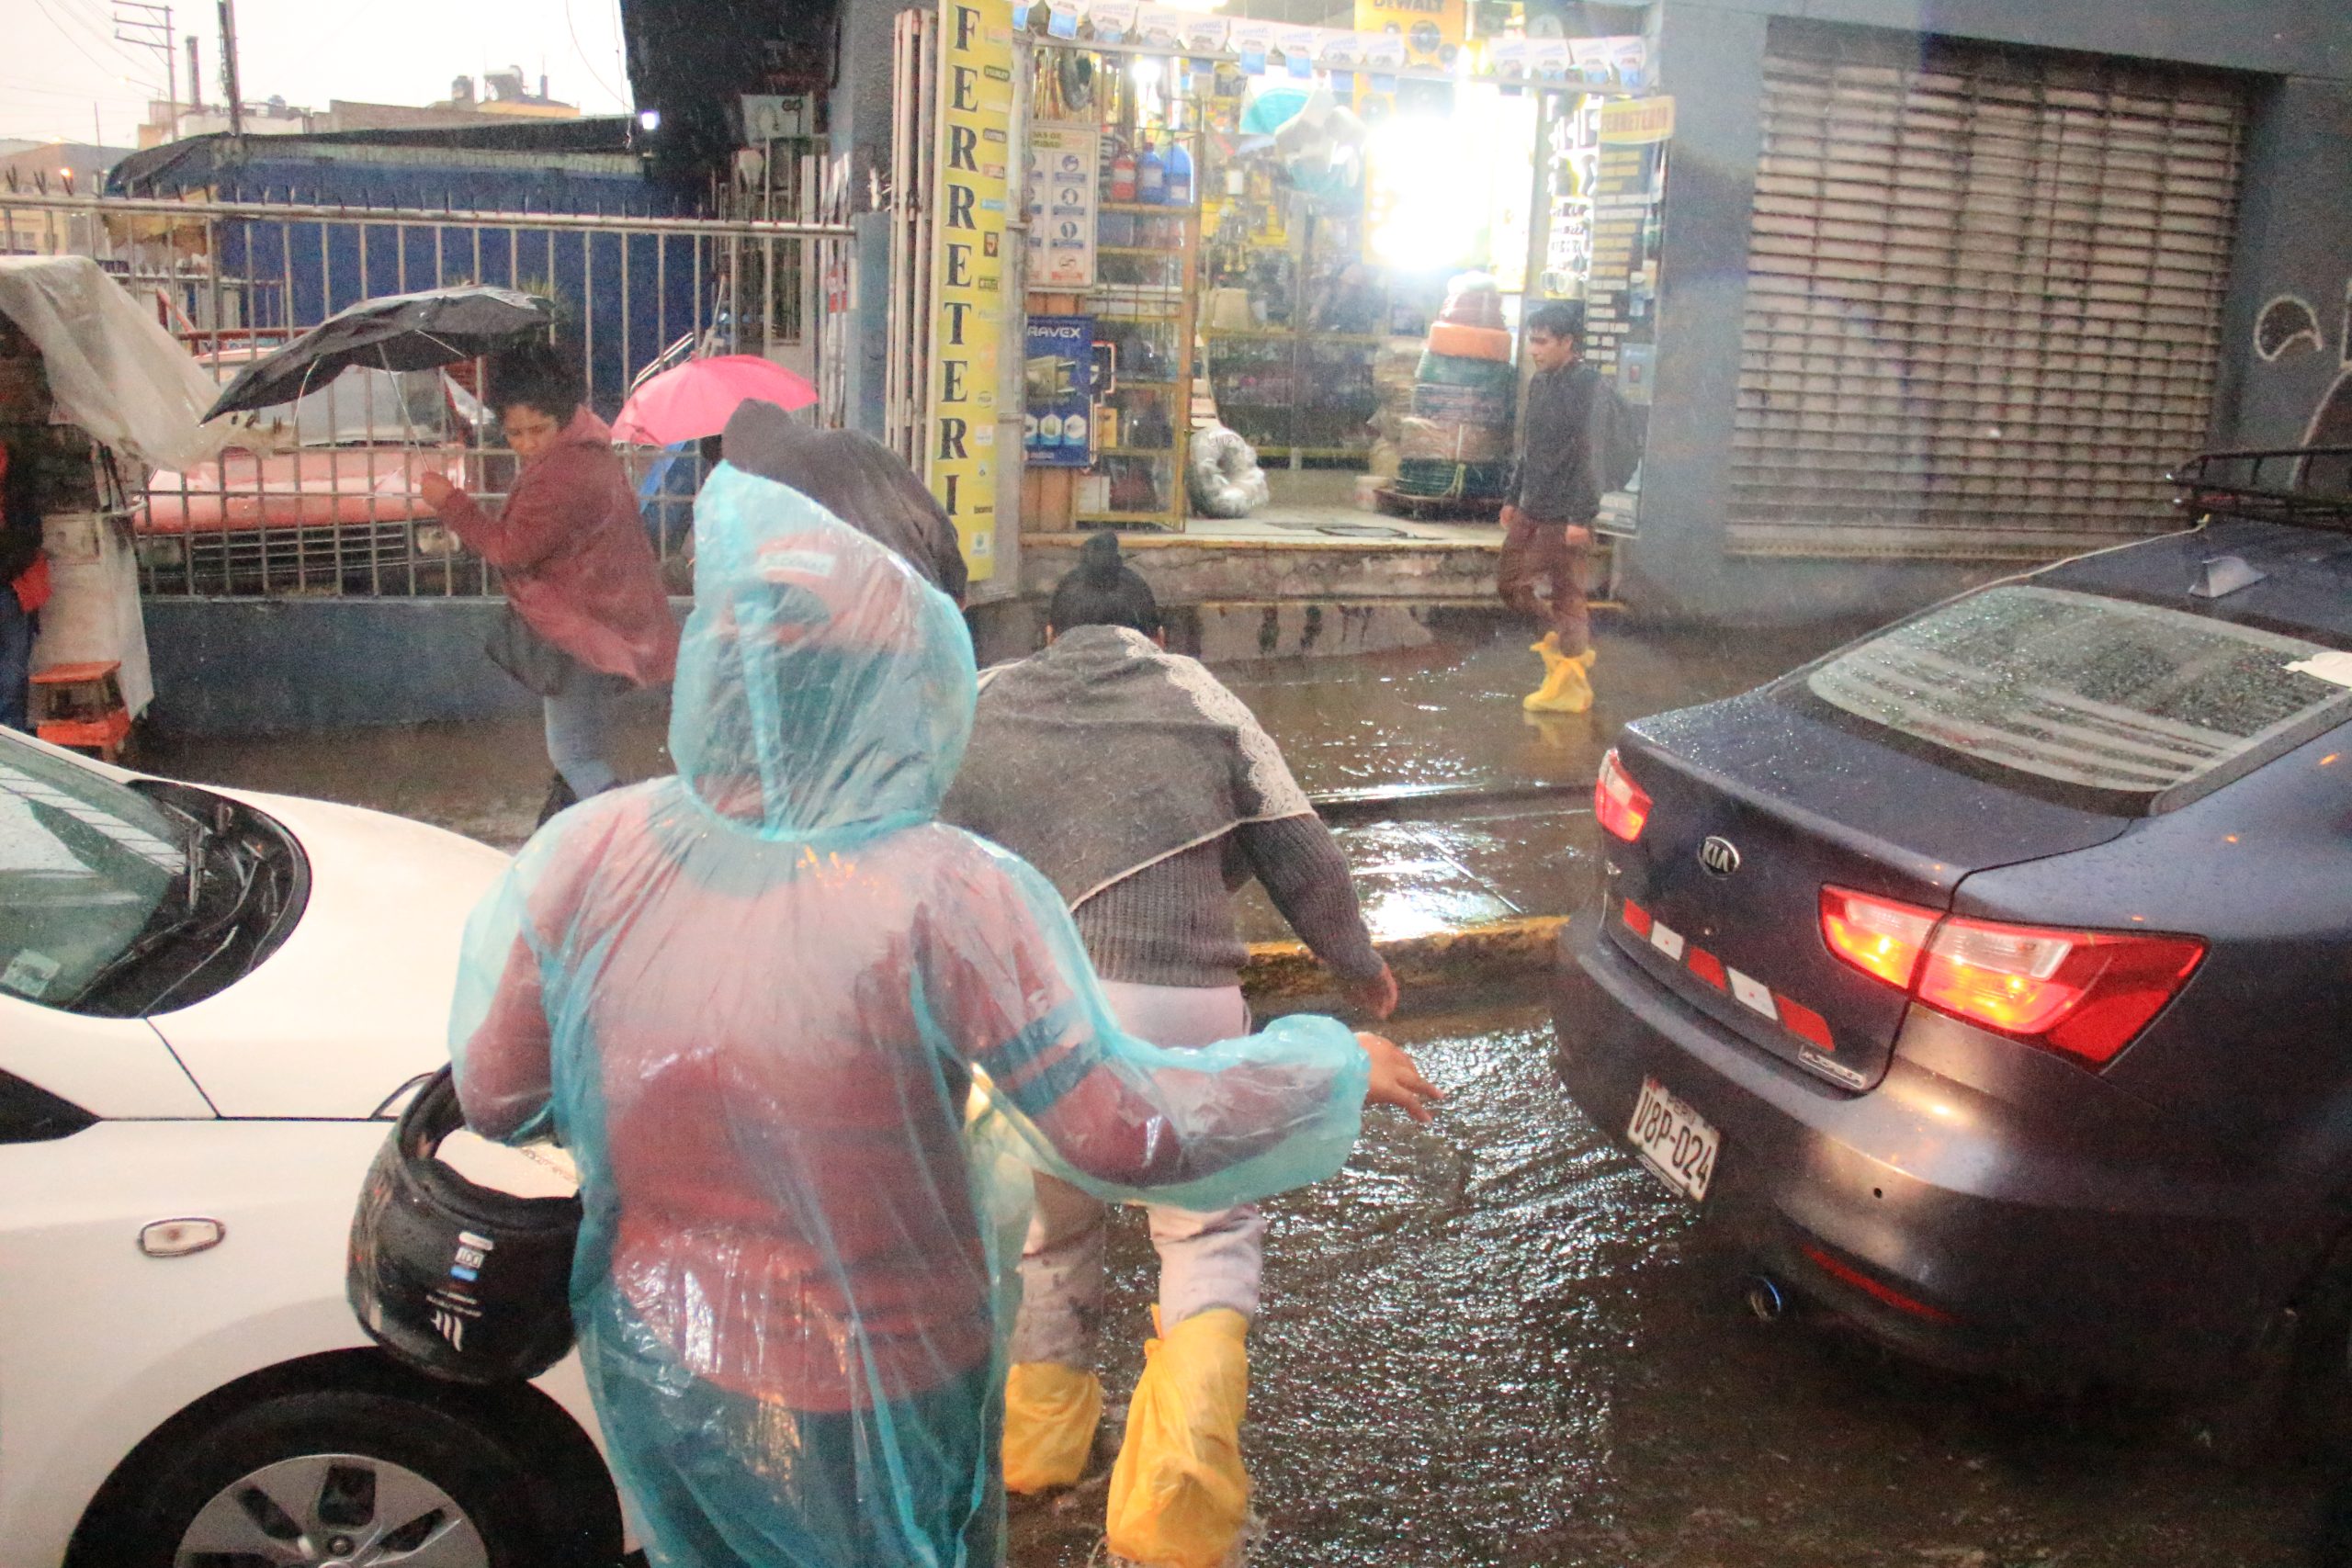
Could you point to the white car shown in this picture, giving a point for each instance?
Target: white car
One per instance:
(211, 1001)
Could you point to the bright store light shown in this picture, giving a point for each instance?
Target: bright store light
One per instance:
(1429, 211)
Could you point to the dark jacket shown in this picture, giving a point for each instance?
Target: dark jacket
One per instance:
(858, 479)
(20, 530)
(1575, 443)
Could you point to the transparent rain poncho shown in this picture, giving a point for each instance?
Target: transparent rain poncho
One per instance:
(806, 1044)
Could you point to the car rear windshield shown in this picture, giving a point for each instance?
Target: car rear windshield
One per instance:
(2137, 704)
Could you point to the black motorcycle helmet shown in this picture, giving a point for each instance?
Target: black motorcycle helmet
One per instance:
(457, 1280)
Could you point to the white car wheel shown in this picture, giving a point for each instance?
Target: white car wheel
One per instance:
(351, 1478)
(332, 1511)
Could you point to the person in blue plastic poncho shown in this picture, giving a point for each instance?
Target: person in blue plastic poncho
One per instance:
(804, 1042)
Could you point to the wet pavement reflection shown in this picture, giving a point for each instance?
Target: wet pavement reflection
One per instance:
(1448, 714)
(1499, 1343)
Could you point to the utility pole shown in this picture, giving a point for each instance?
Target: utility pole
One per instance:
(195, 78)
(229, 67)
(149, 27)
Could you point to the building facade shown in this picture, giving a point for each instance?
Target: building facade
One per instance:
(1947, 286)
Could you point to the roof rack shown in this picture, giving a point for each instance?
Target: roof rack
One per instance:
(2309, 486)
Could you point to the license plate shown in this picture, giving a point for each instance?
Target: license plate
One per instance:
(1674, 1140)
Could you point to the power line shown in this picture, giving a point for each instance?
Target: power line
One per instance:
(29, 90)
(595, 75)
(70, 37)
(621, 52)
(96, 31)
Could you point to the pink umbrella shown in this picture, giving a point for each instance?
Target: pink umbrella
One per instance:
(698, 398)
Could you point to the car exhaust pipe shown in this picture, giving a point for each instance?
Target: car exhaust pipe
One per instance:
(1765, 1298)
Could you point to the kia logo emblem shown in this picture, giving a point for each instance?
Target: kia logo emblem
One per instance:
(1720, 856)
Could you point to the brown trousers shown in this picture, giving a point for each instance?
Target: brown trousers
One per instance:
(1534, 551)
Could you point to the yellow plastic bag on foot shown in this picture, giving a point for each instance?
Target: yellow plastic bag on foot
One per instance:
(1050, 1413)
(1180, 1498)
(1565, 690)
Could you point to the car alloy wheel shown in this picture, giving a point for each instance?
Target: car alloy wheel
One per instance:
(332, 1511)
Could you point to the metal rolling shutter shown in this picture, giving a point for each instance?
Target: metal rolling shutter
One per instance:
(1984, 296)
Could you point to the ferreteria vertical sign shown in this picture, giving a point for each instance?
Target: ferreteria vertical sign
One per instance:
(969, 267)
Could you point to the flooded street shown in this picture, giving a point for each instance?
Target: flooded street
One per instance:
(1499, 1342)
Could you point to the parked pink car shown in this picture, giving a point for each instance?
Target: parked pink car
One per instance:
(324, 497)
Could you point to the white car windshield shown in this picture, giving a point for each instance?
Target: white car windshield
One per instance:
(85, 865)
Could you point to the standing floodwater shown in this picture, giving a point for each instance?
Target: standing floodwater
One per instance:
(1498, 1341)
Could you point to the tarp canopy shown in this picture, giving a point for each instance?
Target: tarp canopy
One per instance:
(112, 368)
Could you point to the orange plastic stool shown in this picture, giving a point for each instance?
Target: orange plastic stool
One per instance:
(80, 706)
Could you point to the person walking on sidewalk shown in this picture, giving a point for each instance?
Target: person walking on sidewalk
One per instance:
(1573, 432)
(1147, 793)
(587, 619)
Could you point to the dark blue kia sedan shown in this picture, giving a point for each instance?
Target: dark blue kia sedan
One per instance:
(1990, 979)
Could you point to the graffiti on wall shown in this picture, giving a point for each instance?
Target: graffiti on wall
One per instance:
(2287, 324)
(2287, 327)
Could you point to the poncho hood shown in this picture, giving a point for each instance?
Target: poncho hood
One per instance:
(823, 688)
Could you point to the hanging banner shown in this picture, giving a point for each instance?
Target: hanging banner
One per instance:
(968, 269)
(1162, 27)
(1629, 122)
(1061, 189)
(1628, 197)
(1433, 29)
(1059, 373)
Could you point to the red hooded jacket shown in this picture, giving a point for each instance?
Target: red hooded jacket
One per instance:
(572, 551)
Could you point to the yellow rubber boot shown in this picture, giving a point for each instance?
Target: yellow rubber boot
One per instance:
(1589, 657)
(1050, 1413)
(1180, 1498)
(1565, 690)
(1548, 650)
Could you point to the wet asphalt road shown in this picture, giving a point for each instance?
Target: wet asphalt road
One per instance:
(1499, 1342)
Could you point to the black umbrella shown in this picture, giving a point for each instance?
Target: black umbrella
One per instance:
(400, 332)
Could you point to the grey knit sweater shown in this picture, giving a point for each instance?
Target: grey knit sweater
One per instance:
(1171, 923)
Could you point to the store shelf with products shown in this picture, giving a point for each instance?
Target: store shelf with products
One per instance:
(1124, 148)
(1299, 396)
(1293, 320)
(1142, 300)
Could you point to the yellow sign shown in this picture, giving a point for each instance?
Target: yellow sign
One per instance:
(1632, 121)
(1433, 29)
(967, 268)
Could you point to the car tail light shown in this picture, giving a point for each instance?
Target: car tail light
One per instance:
(2086, 993)
(1878, 937)
(1618, 801)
